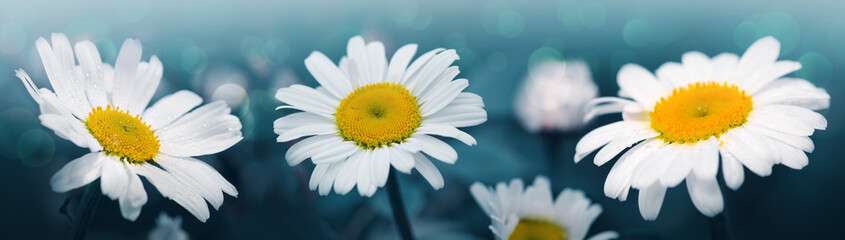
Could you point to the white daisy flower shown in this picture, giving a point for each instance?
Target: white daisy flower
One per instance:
(554, 95)
(532, 213)
(370, 114)
(168, 228)
(105, 110)
(682, 120)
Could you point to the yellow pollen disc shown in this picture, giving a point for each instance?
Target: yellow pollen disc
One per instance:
(530, 229)
(699, 111)
(122, 135)
(378, 114)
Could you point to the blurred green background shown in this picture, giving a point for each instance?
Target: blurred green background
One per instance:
(242, 51)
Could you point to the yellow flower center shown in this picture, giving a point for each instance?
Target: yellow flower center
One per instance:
(700, 110)
(378, 114)
(122, 135)
(530, 229)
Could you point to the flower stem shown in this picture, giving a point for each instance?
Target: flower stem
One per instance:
(719, 224)
(85, 211)
(400, 216)
(719, 227)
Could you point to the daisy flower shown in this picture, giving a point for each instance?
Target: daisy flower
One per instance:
(168, 228)
(532, 213)
(682, 121)
(104, 109)
(554, 95)
(370, 114)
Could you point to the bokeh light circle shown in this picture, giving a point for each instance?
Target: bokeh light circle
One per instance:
(637, 33)
(35, 147)
(543, 54)
(815, 68)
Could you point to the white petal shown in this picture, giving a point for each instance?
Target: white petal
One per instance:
(399, 62)
(357, 53)
(401, 160)
(617, 145)
(443, 98)
(377, 61)
(366, 186)
(296, 120)
(170, 108)
(654, 166)
(429, 73)
(801, 142)
(307, 99)
(347, 175)
(446, 131)
(317, 175)
(705, 195)
(761, 53)
(771, 73)
(679, 168)
(193, 179)
(328, 75)
(114, 178)
(603, 135)
(146, 82)
(326, 183)
(172, 188)
(135, 198)
(796, 92)
(705, 159)
(466, 110)
(29, 85)
(441, 83)
(731, 170)
(381, 166)
(436, 148)
(804, 120)
(309, 147)
(749, 152)
(210, 172)
(58, 64)
(619, 178)
(673, 73)
(208, 129)
(651, 200)
(126, 69)
(638, 83)
(71, 128)
(77, 173)
(697, 66)
(484, 198)
(605, 105)
(428, 171)
(417, 64)
(606, 235)
(338, 151)
(723, 66)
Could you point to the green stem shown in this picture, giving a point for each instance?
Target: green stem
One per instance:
(400, 216)
(85, 211)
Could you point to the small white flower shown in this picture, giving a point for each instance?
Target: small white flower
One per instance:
(370, 114)
(532, 213)
(682, 120)
(105, 110)
(168, 228)
(554, 96)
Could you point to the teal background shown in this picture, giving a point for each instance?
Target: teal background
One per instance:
(242, 51)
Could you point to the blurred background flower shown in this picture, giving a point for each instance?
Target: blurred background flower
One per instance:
(554, 95)
(168, 228)
(260, 46)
